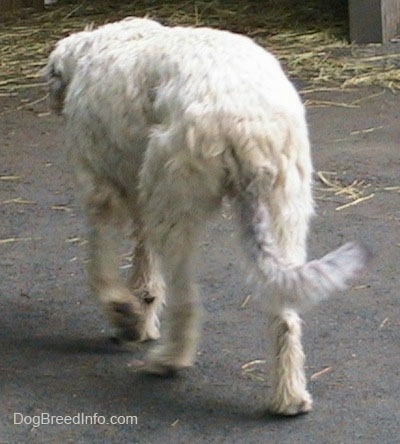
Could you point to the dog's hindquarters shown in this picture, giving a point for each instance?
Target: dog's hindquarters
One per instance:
(274, 199)
(275, 205)
(272, 185)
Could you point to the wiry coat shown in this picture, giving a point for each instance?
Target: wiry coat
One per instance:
(162, 126)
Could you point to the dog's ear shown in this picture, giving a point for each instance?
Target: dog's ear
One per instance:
(57, 86)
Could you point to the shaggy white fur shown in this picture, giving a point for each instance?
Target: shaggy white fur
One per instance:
(162, 124)
(68, 52)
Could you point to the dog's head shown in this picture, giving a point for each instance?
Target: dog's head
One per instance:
(61, 67)
(64, 59)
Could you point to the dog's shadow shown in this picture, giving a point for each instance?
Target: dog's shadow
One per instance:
(190, 394)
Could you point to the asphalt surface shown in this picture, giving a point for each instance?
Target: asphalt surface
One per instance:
(56, 356)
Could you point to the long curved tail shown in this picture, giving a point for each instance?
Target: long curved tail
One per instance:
(300, 286)
(307, 284)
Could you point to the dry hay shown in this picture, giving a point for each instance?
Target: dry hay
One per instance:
(254, 370)
(306, 36)
(347, 194)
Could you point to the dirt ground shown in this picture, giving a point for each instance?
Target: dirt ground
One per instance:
(56, 357)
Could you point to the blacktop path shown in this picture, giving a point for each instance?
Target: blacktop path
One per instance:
(56, 358)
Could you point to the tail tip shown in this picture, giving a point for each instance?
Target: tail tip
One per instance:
(364, 252)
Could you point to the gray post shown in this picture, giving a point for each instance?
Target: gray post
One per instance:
(374, 21)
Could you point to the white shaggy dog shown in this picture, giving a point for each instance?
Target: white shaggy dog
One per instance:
(162, 124)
